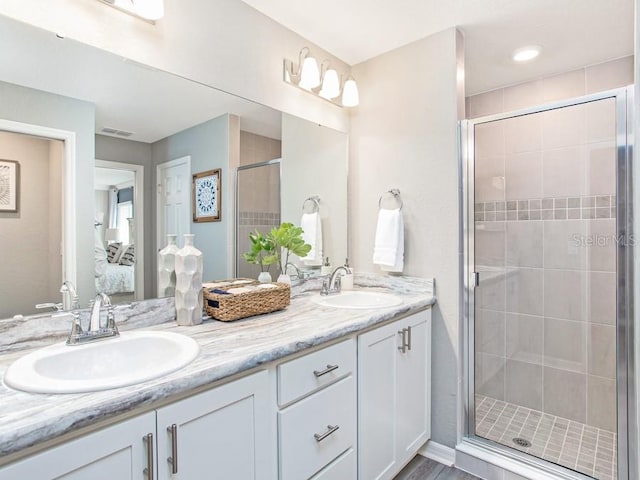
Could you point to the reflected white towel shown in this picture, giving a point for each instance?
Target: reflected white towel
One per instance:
(312, 227)
(388, 250)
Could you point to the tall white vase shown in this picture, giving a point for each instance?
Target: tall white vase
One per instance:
(167, 268)
(188, 283)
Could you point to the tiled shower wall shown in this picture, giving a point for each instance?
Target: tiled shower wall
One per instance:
(545, 247)
(259, 199)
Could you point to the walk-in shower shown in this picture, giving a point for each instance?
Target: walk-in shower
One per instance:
(546, 278)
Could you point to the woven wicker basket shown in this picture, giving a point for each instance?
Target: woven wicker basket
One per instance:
(227, 307)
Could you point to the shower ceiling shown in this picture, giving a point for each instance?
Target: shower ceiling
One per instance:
(573, 33)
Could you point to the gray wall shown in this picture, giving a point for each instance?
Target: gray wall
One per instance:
(403, 135)
(31, 106)
(208, 146)
(136, 153)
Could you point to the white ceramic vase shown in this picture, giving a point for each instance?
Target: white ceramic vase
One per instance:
(167, 268)
(283, 278)
(264, 277)
(188, 283)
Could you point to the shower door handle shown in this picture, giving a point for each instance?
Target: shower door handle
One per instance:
(476, 279)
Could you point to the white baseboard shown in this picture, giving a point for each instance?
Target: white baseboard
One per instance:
(438, 452)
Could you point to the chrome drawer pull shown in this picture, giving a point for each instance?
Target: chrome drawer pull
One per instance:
(330, 368)
(149, 470)
(403, 347)
(173, 459)
(409, 335)
(321, 436)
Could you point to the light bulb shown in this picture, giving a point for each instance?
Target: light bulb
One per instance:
(149, 9)
(350, 97)
(310, 74)
(330, 85)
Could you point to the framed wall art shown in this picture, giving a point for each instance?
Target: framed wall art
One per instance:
(206, 196)
(9, 186)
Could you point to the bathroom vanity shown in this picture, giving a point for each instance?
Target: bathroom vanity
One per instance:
(309, 392)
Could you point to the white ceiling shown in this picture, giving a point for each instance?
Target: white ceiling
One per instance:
(103, 178)
(573, 33)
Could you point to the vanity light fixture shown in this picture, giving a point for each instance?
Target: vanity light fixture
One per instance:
(323, 81)
(150, 10)
(525, 54)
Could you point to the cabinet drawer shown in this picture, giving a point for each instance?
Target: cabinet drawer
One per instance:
(342, 468)
(307, 374)
(302, 454)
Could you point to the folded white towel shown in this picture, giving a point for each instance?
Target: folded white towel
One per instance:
(388, 250)
(312, 227)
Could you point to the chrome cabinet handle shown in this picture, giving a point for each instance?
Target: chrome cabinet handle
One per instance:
(409, 337)
(173, 459)
(321, 436)
(148, 438)
(330, 368)
(403, 347)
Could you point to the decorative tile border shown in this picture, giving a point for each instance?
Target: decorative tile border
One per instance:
(259, 218)
(556, 208)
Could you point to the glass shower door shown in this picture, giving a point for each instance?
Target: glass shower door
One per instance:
(544, 244)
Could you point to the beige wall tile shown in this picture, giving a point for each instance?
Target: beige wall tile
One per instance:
(489, 179)
(485, 104)
(565, 85)
(564, 127)
(490, 244)
(601, 403)
(565, 394)
(524, 95)
(524, 244)
(601, 120)
(524, 291)
(523, 175)
(491, 293)
(566, 294)
(490, 332)
(489, 139)
(600, 169)
(563, 172)
(606, 76)
(524, 341)
(602, 254)
(523, 384)
(523, 134)
(565, 343)
(489, 375)
(563, 246)
(602, 350)
(602, 297)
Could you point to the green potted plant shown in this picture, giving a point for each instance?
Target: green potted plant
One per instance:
(286, 240)
(262, 254)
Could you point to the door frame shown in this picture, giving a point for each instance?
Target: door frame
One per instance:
(492, 452)
(138, 214)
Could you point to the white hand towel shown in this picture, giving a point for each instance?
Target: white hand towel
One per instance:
(312, 226)
(388, 250)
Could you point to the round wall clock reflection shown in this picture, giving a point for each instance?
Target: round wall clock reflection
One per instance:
(206, 196)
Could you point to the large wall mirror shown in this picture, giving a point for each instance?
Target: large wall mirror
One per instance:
(108, 172)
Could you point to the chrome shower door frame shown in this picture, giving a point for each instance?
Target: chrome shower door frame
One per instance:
(493, 452)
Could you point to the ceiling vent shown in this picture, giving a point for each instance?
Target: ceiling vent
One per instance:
(115, 131)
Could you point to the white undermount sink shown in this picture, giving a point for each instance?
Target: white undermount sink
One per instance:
(358, 299)
(131, 358)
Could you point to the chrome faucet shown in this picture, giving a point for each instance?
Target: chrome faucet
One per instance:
(332, 285)
(94, 331)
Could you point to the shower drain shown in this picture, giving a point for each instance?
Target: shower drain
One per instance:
(521, 442)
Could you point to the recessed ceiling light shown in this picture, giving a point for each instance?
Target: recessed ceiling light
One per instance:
(524, 54)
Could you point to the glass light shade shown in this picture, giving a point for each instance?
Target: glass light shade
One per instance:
(350, 97)
(149, 9)
(310, 74)
(330, 85)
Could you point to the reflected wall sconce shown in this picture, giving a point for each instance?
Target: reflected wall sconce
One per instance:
(149, 10)
(322, 80)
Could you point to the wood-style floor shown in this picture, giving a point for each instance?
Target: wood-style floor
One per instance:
(421, 468)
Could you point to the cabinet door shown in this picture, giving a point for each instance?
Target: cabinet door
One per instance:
(219, 434)
(116, 452)
(377, 402)
(413, 387)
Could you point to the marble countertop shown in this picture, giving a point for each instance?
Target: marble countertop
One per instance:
(226, 349)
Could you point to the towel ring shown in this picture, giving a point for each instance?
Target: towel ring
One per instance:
(315, 199)
(396, 195)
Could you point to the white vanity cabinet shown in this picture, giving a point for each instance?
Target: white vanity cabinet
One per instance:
(317, 418)
(122, 451)
(221, 433)
(394, 389)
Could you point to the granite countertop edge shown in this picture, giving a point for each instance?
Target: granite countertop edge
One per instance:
(226, 349)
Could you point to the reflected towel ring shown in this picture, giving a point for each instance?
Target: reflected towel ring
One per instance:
(316, 204)
(396, 195)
